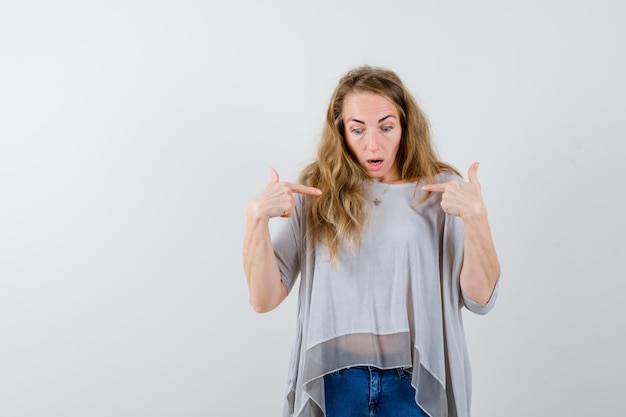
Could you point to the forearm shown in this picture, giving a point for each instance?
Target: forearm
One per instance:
(260, 266)
(481, 269)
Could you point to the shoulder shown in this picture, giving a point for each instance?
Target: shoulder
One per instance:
(447, 176)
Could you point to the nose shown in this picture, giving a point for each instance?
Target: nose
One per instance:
(372, 141)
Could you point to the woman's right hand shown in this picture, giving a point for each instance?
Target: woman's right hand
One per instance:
(259, 261)
(276, 199)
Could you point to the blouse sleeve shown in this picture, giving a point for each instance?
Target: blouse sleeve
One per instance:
(478, 308)
(287, 241)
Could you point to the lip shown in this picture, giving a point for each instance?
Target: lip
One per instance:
(375, 166)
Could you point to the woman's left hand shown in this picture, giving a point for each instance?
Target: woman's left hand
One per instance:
(460, 198)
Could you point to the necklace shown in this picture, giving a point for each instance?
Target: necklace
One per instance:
(377, 200)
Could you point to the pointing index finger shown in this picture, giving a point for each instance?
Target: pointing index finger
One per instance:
(437, 188)
(304, 189)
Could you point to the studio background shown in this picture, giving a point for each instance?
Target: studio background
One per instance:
(134, 133)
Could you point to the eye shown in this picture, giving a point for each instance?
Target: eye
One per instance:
(387, 129)
(357, 130)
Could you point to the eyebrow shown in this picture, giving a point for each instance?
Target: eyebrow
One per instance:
(383, 119)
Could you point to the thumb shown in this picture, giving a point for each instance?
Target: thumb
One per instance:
(472, 173)
(273, 176)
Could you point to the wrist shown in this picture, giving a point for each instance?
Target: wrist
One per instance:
(256, 212)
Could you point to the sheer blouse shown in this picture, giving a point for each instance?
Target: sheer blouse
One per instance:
(392, 301)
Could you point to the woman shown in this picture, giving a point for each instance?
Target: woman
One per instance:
(390, 244)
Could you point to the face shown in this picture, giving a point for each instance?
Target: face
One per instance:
(373, 132)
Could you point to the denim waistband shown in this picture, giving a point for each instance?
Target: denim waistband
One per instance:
(399, 371)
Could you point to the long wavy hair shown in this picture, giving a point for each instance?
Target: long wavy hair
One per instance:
(341, 213)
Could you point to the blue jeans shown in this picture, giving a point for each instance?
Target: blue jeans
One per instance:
(365, 391)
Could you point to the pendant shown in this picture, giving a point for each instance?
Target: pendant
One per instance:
(377, 202)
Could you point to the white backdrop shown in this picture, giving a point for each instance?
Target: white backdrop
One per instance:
(133, 134)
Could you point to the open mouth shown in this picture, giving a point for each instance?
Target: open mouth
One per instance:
(375, 164)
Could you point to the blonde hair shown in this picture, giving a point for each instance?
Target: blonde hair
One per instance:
(341, 213)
